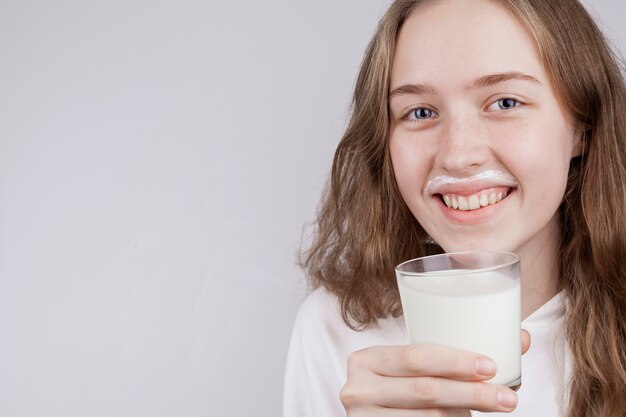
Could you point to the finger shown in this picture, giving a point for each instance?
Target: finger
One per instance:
(377, 400)
(423, 360)
(525, 341)
(433, 392)
(433, 412)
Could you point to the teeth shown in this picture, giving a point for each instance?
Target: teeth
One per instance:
(463, 205)
(474, 201)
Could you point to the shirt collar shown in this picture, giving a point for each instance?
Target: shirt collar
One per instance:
(552, 311)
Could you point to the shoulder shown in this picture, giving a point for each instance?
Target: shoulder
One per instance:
(321, 307)
(314, 369)
(317, 360)
(319, 329)
(320, 323)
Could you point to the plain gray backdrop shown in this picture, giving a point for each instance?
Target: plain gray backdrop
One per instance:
(159, 161)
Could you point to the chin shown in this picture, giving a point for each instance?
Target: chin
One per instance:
(487, 245)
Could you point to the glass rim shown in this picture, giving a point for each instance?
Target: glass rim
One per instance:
(515, 259)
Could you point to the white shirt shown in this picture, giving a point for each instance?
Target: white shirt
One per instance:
(321, 343)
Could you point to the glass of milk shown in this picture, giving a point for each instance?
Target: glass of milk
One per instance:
(468, 301)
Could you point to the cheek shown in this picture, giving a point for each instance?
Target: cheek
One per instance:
(538, 155)
(410, 165)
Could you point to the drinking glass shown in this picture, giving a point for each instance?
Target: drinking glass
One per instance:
(469, 301)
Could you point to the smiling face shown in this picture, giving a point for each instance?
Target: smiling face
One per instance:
(479, 143)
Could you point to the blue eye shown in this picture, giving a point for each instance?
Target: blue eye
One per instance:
(505, 104)
(420, 113)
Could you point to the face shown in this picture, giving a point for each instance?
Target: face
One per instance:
(479, 143)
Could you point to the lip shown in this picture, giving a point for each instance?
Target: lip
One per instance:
(477, 216)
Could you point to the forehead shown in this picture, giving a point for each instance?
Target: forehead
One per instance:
(450, 42)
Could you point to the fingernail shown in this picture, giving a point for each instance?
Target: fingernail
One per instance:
(507, 398)
(485, 366)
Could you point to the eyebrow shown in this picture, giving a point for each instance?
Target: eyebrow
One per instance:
(412, 89)
(484, 81)
(492, 79)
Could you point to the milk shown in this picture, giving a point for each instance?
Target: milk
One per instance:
(478, 312)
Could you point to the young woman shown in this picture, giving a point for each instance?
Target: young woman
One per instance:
(523, 101)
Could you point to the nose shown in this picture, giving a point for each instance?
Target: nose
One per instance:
(463, 146)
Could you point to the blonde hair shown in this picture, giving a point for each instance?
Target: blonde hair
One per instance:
(364, 228)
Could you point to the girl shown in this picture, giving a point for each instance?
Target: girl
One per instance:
(525, 89)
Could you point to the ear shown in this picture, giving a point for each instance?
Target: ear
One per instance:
(578, 140)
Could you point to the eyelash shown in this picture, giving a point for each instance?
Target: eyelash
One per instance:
(407, 115)
(516, 101)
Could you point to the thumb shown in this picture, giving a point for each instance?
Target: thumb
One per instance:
(525, 341)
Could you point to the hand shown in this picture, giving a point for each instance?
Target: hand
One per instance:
(436, 380)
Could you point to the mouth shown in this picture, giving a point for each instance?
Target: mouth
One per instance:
(475, 201)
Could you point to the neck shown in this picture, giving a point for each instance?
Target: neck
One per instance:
(540, 268)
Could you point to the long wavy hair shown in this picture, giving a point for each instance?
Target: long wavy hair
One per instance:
(364, 228)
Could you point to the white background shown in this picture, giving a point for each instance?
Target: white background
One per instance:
(158, 163)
